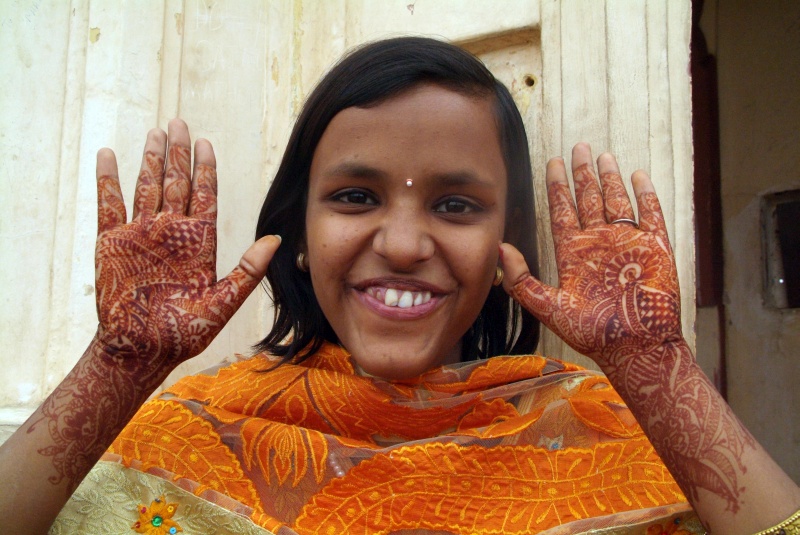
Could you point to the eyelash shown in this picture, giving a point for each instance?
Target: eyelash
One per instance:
(368, 199)
(469, 207)
(342, 197)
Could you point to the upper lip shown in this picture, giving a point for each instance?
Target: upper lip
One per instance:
(411, 285)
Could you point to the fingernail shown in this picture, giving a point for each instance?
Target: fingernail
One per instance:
(280, 240)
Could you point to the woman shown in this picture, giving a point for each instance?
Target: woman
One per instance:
(406, 170)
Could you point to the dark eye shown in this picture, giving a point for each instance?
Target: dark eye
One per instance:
(354, 196)
(455, 206)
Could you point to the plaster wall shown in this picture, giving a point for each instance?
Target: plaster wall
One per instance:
(758, 52)
(78, 75)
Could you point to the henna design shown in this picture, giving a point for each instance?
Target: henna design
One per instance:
(203, 204)
(78, 413)
(693, 430)
(147, 199)
(616, 197)
(111, 208)
(177, 182)
(588, 197)
(618, 302)
(158, 303)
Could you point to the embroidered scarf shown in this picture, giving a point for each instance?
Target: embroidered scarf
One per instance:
(506, 445)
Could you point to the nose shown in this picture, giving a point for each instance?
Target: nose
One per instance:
(404, 238)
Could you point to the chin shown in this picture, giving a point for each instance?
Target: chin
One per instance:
(394, 366)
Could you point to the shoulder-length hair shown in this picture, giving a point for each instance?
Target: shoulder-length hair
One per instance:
(366, 77)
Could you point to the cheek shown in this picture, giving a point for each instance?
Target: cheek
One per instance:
(474, 259)
(332, 246)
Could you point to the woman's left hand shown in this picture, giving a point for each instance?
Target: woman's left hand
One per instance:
(618, 290)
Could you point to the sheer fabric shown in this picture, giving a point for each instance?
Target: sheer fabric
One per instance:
(507, 445)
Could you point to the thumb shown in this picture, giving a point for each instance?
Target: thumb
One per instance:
(536, 297)
(256, 259)
(230, 292)
(514, 266)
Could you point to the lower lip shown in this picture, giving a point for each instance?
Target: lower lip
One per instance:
(397, 313)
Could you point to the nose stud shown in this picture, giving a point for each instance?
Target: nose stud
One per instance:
(409, 182)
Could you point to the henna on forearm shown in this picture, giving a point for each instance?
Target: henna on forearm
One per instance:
(88, 410)
(158, 302)
(618, 302)
(692, 428)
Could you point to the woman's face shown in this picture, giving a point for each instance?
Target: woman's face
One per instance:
(406, 209)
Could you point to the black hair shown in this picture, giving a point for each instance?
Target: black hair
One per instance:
(365, 77)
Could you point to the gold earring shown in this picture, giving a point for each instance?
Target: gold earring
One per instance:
(302, 262)
(498, 276)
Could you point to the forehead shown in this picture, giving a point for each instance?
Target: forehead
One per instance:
(426, 126)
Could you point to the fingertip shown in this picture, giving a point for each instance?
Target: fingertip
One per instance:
(178, 132)
(270, 243)
(157, 135)
(256, 259)
(106, 153)
(606, 160)
(514, 265)
(177, 124)
(556, 171)
(106, 162)
(641, 182)
(204, 153)
(581, 155)
(581, 146)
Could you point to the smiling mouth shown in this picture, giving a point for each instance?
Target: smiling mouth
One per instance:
(392, 297)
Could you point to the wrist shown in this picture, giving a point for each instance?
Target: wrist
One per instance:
(619, 357)
(113, 355)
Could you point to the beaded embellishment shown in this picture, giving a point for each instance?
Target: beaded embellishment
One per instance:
(671, 528)
(157, 518)
(790, 526)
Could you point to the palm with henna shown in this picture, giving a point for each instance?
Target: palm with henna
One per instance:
(618, 302)
(157, 293)
(158, 303)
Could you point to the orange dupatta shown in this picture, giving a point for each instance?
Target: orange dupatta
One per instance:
(505, 445)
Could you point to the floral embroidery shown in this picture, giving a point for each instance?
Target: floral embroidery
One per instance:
(157, 519)
(671, 528)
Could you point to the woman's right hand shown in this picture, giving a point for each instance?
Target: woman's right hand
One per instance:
(158, 298)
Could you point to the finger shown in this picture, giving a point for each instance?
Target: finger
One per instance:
(177, 180)
(228, 294)
(651, 219)
(617, 202)
(110, 204)
(151, 176)
(563, 217)
(539, 299)
(588, 197)
(203, 204)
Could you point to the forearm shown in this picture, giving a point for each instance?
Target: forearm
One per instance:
(51, 453)
(732, 483)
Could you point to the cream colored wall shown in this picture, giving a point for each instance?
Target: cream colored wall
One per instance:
(758, 53)
(80, 75)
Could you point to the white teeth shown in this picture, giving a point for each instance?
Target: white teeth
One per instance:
(406, 300)
(391, 298)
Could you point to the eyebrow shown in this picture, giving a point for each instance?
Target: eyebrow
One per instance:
(453, 178)
(355, 170)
